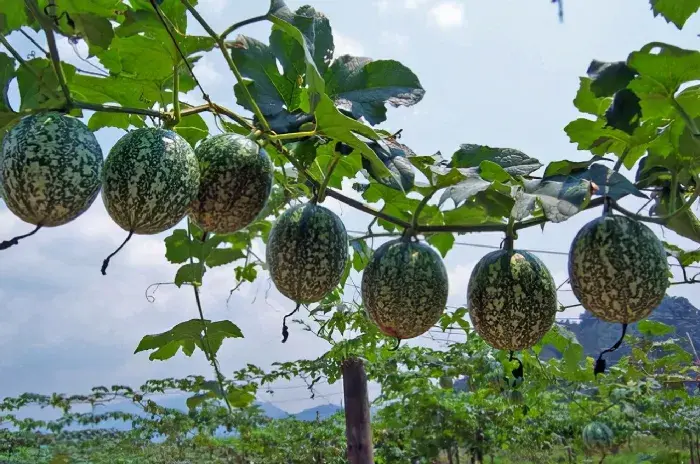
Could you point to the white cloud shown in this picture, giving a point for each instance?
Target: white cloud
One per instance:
(382, 5)
(447, 14)
(345, 45)
(413, 4)
(393, 38)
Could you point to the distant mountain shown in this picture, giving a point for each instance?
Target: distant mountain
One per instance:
(596, 335)
(272, 411)
(323, 411)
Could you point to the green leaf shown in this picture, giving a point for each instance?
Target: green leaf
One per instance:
(41, 89)
(610, 183)
(101, 8)
(13, 16)
(464, 190)
(7, 73)
(654, 328)
(256, 61)
(609, 78)
(178, 246)
(625, 112)
(192, 128)
(363, 87)
(675, 11)
(316, 28)
(489, 206)
(493, 172)
(661, 74)
(247, 272)
(218, 331)
(566, 167)
(346, 167)
(336, 125)
(587, 102)
(187, 334)
(7, 121)
(685, 258)
(572, 356)
(127, 56)
(560, 338)
(361, 254)
(190, 273)
(685, 223)
(133, 93)
(195, 400)
(394, 156)
(223, 256)
(102, 119)
(240, 398)
(281, 18)
(595, 137)
(443, 241)
(560, 197)
(96, 30)
(514, 162)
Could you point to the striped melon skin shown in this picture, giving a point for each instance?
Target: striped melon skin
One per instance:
(597, 436)
(50, 169)
(150, 178)
(512, 299)
(405, 288)
(307, 250)
(618, 269)
(236, 179)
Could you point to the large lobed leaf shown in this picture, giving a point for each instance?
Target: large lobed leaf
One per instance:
(363, 86)
(675, 11)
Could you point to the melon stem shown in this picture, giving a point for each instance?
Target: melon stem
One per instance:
(105, 263)
(15, 240)
(600, 363)
(285, 329)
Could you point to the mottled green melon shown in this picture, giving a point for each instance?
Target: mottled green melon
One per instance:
(50, 168)
(512, 299)
(618, 269)
(405, 288)
(597, 436)
(236, 179)
(150, 178)
(307, 250)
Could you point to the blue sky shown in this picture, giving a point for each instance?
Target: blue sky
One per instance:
(501, 73)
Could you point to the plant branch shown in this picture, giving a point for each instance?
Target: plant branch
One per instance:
(240, 24)
(211, 357)
(321, 193)
(419, 209)
(24, 64)
(176, 98)
(231, 64)
(15, 54)
(686, 117)
(36, 44)
(662, 220)
(292, 135)
(621, 159)
(121, 109)
(381, 234)
(53, 49)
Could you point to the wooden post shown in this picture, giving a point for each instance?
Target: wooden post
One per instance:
(358, 429)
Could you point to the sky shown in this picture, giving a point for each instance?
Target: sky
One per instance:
(501, 73)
